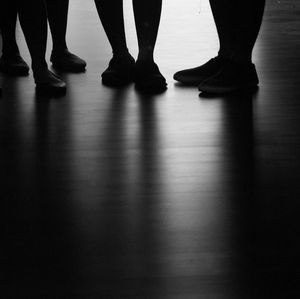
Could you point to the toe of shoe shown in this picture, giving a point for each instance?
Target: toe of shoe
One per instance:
(177, 76)
(187, 80)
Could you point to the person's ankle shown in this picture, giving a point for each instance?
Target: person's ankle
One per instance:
(225, 54)
(145, 59)
(242, 58)
(59, 50)
(39, 69)
(121, 53)
(146, 56)
(238, 58)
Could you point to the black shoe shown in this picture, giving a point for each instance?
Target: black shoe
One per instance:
(67, 62)
(120, 71)
(195, 76)
(48, 83)
(148, 78)
(14, 65)
(234, 76)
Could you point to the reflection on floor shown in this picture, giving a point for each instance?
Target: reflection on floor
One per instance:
(115, 194)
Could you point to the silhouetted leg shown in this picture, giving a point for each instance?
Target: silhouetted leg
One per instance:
(120, 70)
(238, 24)
(249, 18)
(57, 11)
(147, 18)
(33, 19)
(225, 17)
(8, 28)
(240, 72)
(112, 19)
(11, 62)
(58, 18)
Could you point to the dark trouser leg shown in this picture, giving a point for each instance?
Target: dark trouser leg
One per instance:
(224, 13)
(58, 16)
(8, 17)
(249, 21)
(33, 19)
(238, 24)
(240, 72)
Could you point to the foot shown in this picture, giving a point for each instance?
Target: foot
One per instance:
(48, 83)
(120, 71)
(195, 76)
(148, 77)
(14, 65)
(234, 76)
(68, 62)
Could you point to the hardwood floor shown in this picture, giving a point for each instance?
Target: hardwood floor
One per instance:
(114, 194)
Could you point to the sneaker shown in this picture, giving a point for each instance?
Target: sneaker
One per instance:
(234, 76)
(48, 83)
(68, 62)
(195, 76)
(148, 77)
(120, 71)
(14, 65)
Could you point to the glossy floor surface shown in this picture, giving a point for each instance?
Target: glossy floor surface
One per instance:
(115, 194)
